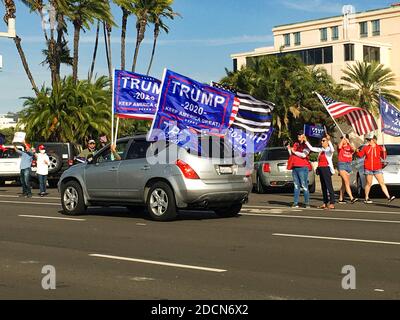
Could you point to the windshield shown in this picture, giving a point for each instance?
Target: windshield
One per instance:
(275, 154)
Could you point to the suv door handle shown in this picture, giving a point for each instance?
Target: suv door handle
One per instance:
(146, 168)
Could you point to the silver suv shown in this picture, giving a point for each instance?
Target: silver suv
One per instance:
(162, 177)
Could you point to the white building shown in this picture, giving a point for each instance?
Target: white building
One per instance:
(6, 122)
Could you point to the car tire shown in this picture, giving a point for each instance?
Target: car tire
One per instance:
(72, 199)
(160, 203)
(2, 182)
(260, 188)
(229, 212)
(55, 162)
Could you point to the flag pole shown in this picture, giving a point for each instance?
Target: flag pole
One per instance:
(324, 104)
(112, 106)
(116, 132)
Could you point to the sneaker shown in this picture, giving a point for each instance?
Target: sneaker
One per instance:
(28, 196)
(307, 206)
(368, 201)
(353, 201)
(42, 194)
(391, 199)
(295, 206)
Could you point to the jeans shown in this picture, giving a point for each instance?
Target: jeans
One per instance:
(42, 183)
(325, 176)
(26, 181)
(300, 180)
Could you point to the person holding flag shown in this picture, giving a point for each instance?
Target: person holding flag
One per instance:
(346, 151)
(374, 154)
(300, 165)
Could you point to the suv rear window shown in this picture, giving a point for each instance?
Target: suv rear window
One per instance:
(9, 154)
(275, 154)
(393, 150)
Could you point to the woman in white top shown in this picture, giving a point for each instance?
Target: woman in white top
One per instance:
(325, 170)
(42, 163)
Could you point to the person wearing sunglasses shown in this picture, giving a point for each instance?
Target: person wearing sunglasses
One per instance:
(89, 151)
(325, 171)
(374, 154)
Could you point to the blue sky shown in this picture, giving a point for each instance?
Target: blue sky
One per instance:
(199, 44)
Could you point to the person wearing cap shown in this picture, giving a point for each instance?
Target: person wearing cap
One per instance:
(346, 151)
(26, 163)
(300, 166)
(42, 161)
(90, 150)
(374, 154)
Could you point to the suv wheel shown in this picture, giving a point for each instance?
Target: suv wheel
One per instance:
(72, 199)
(55, 163)
(161, 202)
(229, 212)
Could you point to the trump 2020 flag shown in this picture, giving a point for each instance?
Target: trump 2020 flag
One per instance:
(314, 131)
(135, 95)
(390, 118)
(187, 108)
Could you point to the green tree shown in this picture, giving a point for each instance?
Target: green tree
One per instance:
(70, 112)
(366, 81)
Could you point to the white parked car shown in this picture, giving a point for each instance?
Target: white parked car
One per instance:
(391, 171)
(10, 163)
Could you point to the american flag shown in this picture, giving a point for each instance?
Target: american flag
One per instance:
(248, 113)
(361, 120)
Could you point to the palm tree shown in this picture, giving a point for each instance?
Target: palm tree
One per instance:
(367, 81)
(143, 11)
(69, 112)
(10, 14)
(83, 13)
(162, 10)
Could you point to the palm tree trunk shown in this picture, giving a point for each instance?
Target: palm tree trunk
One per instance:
(60, 39)
(125, 14)
(141, 29)
(21, 52)
(77, 30)
(156, 34)
(96, 45)
(107, 48)
(110, 68)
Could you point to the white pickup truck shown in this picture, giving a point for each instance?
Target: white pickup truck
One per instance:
(10, 162)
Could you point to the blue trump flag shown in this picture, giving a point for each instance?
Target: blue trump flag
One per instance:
(135, 95)
(314, 131)
(187, 109)
(390, 116)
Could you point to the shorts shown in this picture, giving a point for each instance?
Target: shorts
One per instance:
(345, 166)
(372, 172)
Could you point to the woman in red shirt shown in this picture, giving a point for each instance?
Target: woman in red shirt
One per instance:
(346, 151)
(374, 154)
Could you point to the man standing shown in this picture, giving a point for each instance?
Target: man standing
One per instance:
(43, 161)
(26, 163)
(300, 166)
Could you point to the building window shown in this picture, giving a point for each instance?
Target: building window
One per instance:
(335, 33)
(297, 38)
(376, 28)
(364, 29)
(286, 40)
(324, 34)
(372, 54)
(349, 52)
(235, 65)
(312, 57)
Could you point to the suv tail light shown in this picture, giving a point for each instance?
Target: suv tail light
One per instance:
(187, 170)
(266, 168)
(70, 163)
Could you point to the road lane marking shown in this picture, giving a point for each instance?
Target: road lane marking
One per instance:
(175, 265)
(53, 218)
(320, 210)
(317, 218)
(335, 239)
(34, 203)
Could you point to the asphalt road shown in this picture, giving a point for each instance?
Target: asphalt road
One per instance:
(269, 252)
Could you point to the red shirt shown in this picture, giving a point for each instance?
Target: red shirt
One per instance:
(373, 157)
(322, 160)
(346, 154)
(299, 162)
